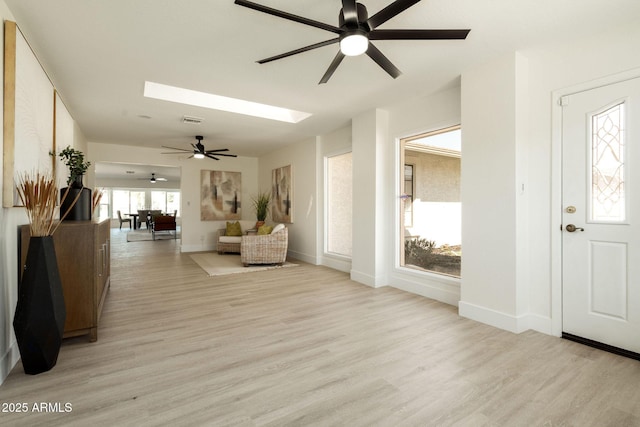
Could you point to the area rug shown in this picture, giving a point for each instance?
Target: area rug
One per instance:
(145, 235)
(219, 265)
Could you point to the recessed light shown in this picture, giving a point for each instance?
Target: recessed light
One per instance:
(223, 103)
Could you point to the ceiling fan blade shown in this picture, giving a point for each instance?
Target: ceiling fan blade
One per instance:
(389, 12)
(172, 148)
(289, 16)
(179, 152)
(382, 61)
(297, 51)
(211, 157)
(161, 179)
(418, 34)
(350, 13)
(216, 150)
(332, 68)
(222, 154)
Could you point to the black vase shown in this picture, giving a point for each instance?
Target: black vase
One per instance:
(81, 210)
(40, 313)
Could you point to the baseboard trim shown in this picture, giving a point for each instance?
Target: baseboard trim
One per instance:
(434, 291)
(508, 322)
(197, 248)
(302, 257)
(488, 316)
(337, 264)
(363, 278)
(602, 346)
(8, 361)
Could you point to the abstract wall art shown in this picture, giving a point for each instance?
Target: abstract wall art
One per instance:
(282, 195)
(220, 195)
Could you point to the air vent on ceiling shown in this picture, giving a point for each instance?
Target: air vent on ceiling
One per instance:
(192, 120)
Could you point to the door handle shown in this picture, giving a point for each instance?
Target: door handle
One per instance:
(571, 228)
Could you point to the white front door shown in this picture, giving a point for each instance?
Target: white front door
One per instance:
(601, 215)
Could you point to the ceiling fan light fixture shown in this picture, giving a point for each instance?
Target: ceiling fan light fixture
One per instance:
(354, 43)
(198, 155)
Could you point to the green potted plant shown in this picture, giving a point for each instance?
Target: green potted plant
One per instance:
(81, 210)
(261, 206)
(74, 159)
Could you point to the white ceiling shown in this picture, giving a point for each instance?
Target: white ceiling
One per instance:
(99, 54)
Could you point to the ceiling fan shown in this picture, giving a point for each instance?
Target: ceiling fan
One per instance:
(356, 31)
(153, 178)
(199, 152)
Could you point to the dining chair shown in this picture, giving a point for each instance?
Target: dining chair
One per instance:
(127, 220)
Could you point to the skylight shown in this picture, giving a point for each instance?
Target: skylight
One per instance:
(223, 103)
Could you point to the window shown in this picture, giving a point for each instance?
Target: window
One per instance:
(608, 192)
(166, 201)
(430, 216)
(137, 200)
(407, 197)
(103, 209)
(120, 202)
(339, 185)
(127, 201)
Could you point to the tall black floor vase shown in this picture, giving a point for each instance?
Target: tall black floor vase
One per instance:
(40, 313)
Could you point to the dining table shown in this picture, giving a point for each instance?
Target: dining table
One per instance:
(134, 216)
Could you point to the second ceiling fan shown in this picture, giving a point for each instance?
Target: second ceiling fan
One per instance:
(153, 178)
(355, 31)
(199, 151)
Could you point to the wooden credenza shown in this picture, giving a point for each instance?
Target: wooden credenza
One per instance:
(83, 251)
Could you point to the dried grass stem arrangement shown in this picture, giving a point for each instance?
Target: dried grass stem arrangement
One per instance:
(39, 193)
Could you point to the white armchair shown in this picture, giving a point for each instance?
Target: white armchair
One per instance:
(265, 249)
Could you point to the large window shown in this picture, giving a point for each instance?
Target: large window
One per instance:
(339, 185)
(430, 205)
(128, 201)
(104, 204)
(408, 195)
(166, 201)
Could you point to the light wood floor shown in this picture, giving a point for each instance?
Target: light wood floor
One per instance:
(306, 346)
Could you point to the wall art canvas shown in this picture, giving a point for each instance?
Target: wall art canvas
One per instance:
(220, 195)
(282, 195)
(28, 114)
(63, 137)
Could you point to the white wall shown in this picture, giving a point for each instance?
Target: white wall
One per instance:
(488, 188)
(303, 236)
(133, 183)
(10, 219)
(370, 134)
(510, 169)
(196, 235)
